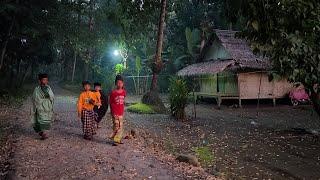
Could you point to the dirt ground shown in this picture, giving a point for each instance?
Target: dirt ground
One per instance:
(66, 155)
(6, 139)
(273, 145)
(244, 145)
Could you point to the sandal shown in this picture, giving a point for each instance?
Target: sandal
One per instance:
(87, 137)
(43, 135)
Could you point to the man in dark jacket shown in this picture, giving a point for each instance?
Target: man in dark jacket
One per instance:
(101, 111)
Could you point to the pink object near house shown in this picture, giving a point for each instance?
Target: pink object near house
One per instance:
(299, 95)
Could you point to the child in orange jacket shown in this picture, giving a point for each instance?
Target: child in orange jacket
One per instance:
(86, 102)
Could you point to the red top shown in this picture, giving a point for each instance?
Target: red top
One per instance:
(117, 102)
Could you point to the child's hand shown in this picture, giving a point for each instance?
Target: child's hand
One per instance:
(99, 104)
(91, 101)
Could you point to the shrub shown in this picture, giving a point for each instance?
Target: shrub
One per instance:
(141, 108)
(178, 97)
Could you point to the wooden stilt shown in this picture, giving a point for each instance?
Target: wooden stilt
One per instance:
(274, 102)
(219, 102)
(194, 100)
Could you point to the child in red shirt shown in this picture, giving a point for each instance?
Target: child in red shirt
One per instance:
(116, 100)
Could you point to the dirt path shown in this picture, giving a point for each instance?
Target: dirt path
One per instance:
(65, 155)
(245, 147)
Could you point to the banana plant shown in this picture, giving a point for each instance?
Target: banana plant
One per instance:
(193, 45)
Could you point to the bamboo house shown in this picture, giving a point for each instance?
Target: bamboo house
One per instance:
(230, 70)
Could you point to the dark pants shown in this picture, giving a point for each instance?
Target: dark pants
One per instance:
(101, 113)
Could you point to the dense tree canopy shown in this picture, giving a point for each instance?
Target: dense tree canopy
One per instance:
(288, 32)
(74, 39)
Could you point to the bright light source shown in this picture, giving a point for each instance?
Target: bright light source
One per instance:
(116, 52)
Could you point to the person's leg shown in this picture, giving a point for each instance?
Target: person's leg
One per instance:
(37, 128)
(101, 113)
(94, 117)
(116, 127)
(99, 119)
(119, 129)
(120, 133)
(40, 128)
(86, 125)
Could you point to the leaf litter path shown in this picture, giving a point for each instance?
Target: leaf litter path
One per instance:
(65, 155)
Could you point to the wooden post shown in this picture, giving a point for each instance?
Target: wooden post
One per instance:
(218, 92)
(258, 104)
(74, 65)
(240, 103)
(274, 102)
(194, 100)
(219, 101)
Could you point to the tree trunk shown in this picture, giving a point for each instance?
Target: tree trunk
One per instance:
(138, 84)
(154, 82)
(27, 74)
(65, 70)
(74, 65)
(230, 26)
(152, 97)
(86, 71)
(90, 26)
(4, 47)
(157, 61)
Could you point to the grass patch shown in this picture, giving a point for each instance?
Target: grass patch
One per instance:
(204, 155)
(141, 108)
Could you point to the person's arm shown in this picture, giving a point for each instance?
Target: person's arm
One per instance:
(80, 103)
(37, 99)
(51, 94)
(125, 95)
(98, 99)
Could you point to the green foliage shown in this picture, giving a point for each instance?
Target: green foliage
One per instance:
(193, 44)
(193, 39)
(288, 32)
(14, 97)
(119, 68)
(58, 35)
(178, 97)
(141, 108)
(204, 154)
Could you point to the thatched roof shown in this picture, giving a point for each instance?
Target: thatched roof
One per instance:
(242, 57)
(210, 67)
